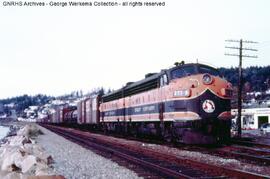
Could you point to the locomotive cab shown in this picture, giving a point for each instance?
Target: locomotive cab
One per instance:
(198, 102)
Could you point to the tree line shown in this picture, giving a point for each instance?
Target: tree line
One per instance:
(255, 78)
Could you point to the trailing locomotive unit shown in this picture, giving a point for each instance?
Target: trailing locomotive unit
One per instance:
(188, 103)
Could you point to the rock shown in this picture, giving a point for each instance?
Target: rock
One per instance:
(14, 168)
(32, 148)
(22, 152)
(30, 130)
(24, 131)
(3, 173)
(33, 141)
(37, 151)
(28, 163)
(45, 158)
(27, 148)
(18, 140)
(11, 159)
(41, 166)
(20, 156)
(40, 172)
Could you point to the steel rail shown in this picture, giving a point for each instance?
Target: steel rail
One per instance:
(238, 152)
(249, 143)
(240, 155)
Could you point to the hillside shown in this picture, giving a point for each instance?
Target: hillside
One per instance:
(254, 78)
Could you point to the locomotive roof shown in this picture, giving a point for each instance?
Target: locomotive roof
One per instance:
(142, 85)
(152, 77)
(152, 80)
(190, 64)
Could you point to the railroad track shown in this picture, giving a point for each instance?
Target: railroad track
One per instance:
(160, 164)
(252, 155)
(160, 168)
(255, 155)
(250, 143)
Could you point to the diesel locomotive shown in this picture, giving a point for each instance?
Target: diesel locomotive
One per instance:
(189, 103)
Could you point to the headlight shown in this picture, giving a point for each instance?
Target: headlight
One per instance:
(182, 93)
(207, 79)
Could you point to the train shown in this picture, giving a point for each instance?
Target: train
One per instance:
(188, 103)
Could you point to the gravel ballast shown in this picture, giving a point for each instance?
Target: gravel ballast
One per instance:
(73, 161)
(193, 155)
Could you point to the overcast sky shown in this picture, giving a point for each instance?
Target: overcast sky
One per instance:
(55, 50)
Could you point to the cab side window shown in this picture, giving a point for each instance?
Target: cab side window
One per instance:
(163, 80)
(183, 72)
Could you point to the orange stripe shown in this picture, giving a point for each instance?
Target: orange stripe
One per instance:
(225, 115)
(177, 115)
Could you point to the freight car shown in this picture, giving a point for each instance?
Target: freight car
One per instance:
(188, 103)
(70, 115)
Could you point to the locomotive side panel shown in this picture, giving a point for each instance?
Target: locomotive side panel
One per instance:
(145, 106)
(127, 107)
(113, 111)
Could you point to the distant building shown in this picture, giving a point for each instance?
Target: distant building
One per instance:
(252, 118)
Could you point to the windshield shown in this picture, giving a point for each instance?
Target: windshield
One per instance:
(209, 70)
(188, 70)
(183, 71)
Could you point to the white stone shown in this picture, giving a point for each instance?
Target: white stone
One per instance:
(28, 163)
(3, 173)
(37, 149)
(29, 130)
(41, 172)
(11, 156)
(23, 131)
(22, 154)
(32, 149)
(18, 140)
(27, 148)
(33, 141)
(43, 157)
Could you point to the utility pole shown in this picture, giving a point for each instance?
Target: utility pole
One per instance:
(240, 76)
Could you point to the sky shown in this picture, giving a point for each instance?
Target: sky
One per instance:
(56, 50)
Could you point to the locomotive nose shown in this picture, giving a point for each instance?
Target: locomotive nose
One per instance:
(211, 105)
